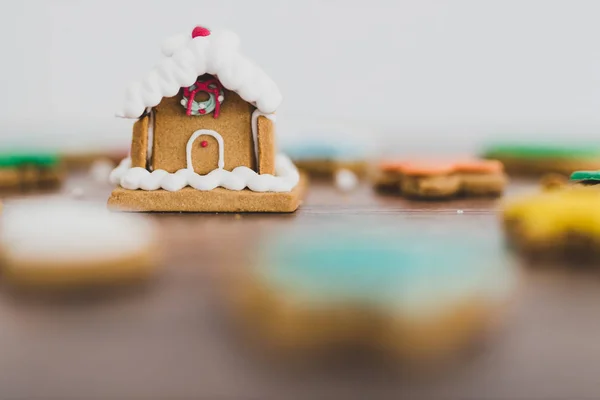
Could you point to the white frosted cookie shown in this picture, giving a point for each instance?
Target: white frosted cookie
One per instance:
(64, 243)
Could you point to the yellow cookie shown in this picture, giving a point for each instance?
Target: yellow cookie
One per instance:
(55, 243)
(555, 221)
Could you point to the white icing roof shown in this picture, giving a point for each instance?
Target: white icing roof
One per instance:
(185, 59)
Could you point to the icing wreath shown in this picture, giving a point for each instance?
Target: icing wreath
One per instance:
(215, 92)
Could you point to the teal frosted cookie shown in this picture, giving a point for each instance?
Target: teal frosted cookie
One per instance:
(324, 159)
(312, 151)
(400, 292)
(397, 272)
(325, 151)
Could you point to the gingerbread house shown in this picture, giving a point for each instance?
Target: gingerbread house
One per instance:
(204, 136)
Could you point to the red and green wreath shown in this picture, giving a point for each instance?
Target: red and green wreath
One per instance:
(213, 105)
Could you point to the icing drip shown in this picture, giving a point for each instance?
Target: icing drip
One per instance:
(286, 178)
(150, 135)
(186, 58)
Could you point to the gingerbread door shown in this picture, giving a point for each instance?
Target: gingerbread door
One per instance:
(205, 151)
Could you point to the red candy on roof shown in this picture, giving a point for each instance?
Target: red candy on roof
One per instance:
(200, 31)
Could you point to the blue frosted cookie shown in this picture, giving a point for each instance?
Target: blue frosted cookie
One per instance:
(324, 159)
(407, 293)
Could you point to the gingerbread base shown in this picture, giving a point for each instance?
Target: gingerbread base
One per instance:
(216, 200)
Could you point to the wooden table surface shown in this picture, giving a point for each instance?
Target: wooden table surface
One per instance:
(169, 340)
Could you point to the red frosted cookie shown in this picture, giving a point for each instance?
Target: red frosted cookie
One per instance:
(435, 179)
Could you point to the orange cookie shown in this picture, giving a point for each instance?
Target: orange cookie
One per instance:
(438, 180)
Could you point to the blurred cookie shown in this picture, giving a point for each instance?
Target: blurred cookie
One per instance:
(322, 160)
(441, 180)
(540, 159)
(27, 171)
(400, 294)
(54, 243)
(559, 223)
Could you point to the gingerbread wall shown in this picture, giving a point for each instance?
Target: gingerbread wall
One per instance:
(173, 129)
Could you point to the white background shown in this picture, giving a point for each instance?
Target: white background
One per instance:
(403, 75)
